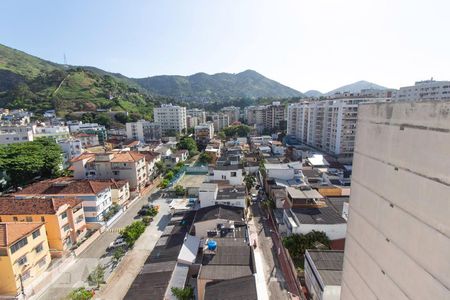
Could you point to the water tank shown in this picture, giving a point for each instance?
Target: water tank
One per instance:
(212, 245)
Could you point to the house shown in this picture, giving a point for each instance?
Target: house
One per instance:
(96, 195)
(151, 158)
(303, 196)
(230, 289)
(288, 171)
(24, 255)
(221, 194)
(232, 173)
(120, 191)
(71, 148)
(10, 134)
(231, 259)
(217, 220)
(323, 274)
(87, 139)
(63, 219)
(120, 165)
(277, 148)
(279, 196)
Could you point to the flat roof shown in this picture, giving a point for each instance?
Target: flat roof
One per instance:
(296, 193)
(226, 212)
(322, 215)
(238, 288)
(329, 264)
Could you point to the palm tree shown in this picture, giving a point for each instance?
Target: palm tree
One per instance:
(249, 181)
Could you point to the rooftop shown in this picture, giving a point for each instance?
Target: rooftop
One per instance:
(231, 192)
(219, 212)
(322, 215)
(228, 167)
(329, 264)
(237, 288)
(12, 232)
(66, 186)
(337, 202)
(34, 206)
(296, 193)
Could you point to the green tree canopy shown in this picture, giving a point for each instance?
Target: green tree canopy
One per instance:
(186, 293)
(132, 232)
(189, 144)
(205, 158)
(297, 244)
(80, 294)
(237, 131)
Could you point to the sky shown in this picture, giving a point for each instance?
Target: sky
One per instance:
(314, 44)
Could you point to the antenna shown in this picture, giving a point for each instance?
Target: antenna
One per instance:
(65, 61)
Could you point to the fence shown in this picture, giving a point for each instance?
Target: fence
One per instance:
(87, 243)
(197, 170)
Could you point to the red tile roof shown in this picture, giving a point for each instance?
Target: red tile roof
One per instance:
(11, 232)
(150, 155)
(34, 206)
(127, 156)
(65, 186)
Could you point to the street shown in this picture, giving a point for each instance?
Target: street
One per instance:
(77, 273)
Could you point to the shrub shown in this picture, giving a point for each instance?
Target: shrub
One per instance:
(80, 294)
(132, 232)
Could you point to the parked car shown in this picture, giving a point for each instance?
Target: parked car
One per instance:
(119, 242)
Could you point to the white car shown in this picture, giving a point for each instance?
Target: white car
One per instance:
(119, 242)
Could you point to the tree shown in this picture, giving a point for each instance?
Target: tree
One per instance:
(132, 232)
(249, 181)
(179, 190)
(221, 135)
(297, 244)
(80, 294)
(161, 167)
(237, 130)
(25, 161)
(122, 117)
(103, 119)
(205, 158)
(118, 254)
(186, 293)
(97, 277)
(189, 144)
(169, 175)
(164, 183)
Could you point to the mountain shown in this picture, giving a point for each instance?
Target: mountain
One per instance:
(356, 87)
(313, 94)
(220, 86)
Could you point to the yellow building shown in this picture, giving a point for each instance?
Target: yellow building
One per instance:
(24, 255)
(63, 217)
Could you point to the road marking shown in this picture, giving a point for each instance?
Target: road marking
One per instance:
(117, 230)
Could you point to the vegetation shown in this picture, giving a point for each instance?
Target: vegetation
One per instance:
(268, 204)
(205, 158)
(80, 294)
(147, 220)
(186, 293)
(132, 232)
(161, 167)
(249, 181)
(117, 255)
(189, 144)
(237, 131)
(164, 183)
(97, 277)
(297, 244)
(25, 161)
(113, 210)
(179, 190)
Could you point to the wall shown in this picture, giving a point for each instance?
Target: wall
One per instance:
(226, 175)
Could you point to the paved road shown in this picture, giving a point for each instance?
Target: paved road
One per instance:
(77, 274)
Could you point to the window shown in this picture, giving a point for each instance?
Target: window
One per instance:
(29, 219)
(39, 248)
(233, 174)
(26, 275)
(19, 245)
(66, 227)
(64, 215)
(15, 219)
(116, 173)
(42, 219)
(22, 260)
(42, 262)
(36, 233)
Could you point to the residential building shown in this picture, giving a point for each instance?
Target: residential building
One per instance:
(220, 121)
(191, 121)
(10, 134)
(217, 221)
(24, 255)
(232, 112)
(237, 288)
(120, 191)
(151, 158)
(63, 218)
(124, 165)
(204, 133)
(231, 173)
(197, 113)
(143, 131)
(55, 132)
(328, 125)
(397, 244)
(425, 90)
(211, 194)
(287, 171)
(323, 274)
(171, 118)
(92, 128)
(255, 116)
(71, 148)
(96, 195)
(275, 117)
(87, 139)
(16, 117)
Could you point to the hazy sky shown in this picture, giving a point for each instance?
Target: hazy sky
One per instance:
(314, 44)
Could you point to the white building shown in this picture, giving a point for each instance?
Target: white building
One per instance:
(214, 194)
(232, 173)
(329, 125)
(171, 118)
(398, 239)
(71, 148)
(143, 131)
(425, 90)
(232, 112)
(197, 113)
(288, 171)
(323, 274)
(16, 134)
(220, 121)
(55, 132)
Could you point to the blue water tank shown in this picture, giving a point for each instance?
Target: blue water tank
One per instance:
(212, 245)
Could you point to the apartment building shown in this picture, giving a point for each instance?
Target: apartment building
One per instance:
(90, 128)
(53, 131)
(232, 112)
(144, 131)
(266, 117)
(63, 218)
(10, 134)
(204, 133)
(255, 116)
(24, 255)
(96, 195)
(191, 121)
(425, 90)
(87, 139)
(125, 165)
(397, 244)
(171, 118)
(197, 113)
(71, 148)
(220, 121)
(329, 125)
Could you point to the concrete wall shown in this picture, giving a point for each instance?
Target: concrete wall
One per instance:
(398, 244)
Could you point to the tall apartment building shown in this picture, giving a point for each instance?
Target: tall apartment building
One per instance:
(197, 113)
(425, 90)
(232, 112)
(329, 125)
(398, 235)
(266, 117)
(204, 133)
(143, 131)
(191, 121)
(220, 121)
(171, 118)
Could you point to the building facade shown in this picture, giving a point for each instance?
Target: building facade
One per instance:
(397, 244)
(425, 90)
(232, 112)
(10, 134)
(220, 121)
(197, 113)
(143, 131)
(171, 118)
(204, 133)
